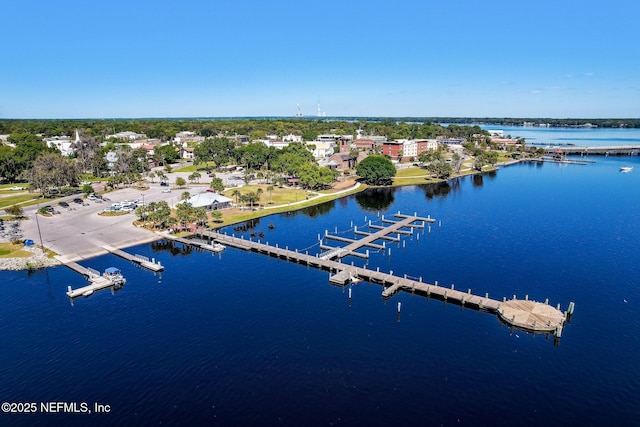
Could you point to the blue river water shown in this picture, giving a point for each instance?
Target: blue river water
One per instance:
(243, 339)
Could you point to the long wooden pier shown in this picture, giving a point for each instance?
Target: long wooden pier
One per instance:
(138, 259)
(528, 315)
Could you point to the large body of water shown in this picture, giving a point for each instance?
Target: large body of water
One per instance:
(576, 136)
(244, 339)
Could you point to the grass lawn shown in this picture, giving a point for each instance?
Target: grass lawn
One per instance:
(22, 198)
(235, 215)
(202, 168)
(278, 196)
(401, 173)
(9, 250)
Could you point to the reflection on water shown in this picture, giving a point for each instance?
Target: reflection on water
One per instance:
(321, 209)
(439, 189)
(174, 248)
(376, 199)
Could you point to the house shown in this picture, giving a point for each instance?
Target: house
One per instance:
(187, 153)
(321, 149)
(209, 201)
(344, 159)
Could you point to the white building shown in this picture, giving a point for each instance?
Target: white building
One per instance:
(321, 149)
(131, 136)
(208, 200)
(292, 138)
(64, 144)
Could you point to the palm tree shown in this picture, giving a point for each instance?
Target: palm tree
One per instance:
(258, 194)
(185, 195)
(270, 190)
(236, 193)
(196, 175)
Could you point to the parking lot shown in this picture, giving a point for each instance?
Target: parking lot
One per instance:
(77, 231)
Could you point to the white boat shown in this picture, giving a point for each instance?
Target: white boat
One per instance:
(87, 293)
(115, 276)
(216, 247)
(626, 169)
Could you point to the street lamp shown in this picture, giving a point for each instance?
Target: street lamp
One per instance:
(144, 211)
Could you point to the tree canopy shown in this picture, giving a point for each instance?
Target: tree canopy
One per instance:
(376, 170)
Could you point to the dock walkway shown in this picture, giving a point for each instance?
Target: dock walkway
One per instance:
(532, 316)
(96, 281)
(138, 259)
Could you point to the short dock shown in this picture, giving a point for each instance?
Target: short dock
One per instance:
(527, 315)
(208, 246)
(397, 227)
(149, 264)
(97, 282)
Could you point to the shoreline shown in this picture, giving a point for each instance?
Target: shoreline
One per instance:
(40, 260)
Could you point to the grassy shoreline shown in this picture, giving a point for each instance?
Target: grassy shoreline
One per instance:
(241, 216)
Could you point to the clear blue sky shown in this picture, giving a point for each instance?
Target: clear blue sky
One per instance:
(140, 58)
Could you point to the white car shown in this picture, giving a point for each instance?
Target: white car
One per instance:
(166, 190)
(16, 188)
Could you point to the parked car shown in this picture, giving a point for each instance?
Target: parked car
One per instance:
(166, 190)
(77, 200)
(16, 188)
(164, 184)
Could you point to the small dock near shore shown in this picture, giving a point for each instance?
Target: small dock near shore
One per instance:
(149, 264)
(97, 281)
(523, 314)
(198, 243)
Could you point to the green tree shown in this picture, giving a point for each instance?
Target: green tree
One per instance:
(87, 189)
(236, 193)
(440, 169)
(270, 190)
(376, 170)
(52, 170)
(216, 215)
(14, 210)
(180, 182)
(217, 185)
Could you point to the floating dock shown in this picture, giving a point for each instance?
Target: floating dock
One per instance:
(97, 282)
(526, 315)
(149, 264)
(208, 246)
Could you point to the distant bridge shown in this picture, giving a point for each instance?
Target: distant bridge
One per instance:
(608, 150)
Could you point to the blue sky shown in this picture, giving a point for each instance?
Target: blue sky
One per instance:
(139, 58)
